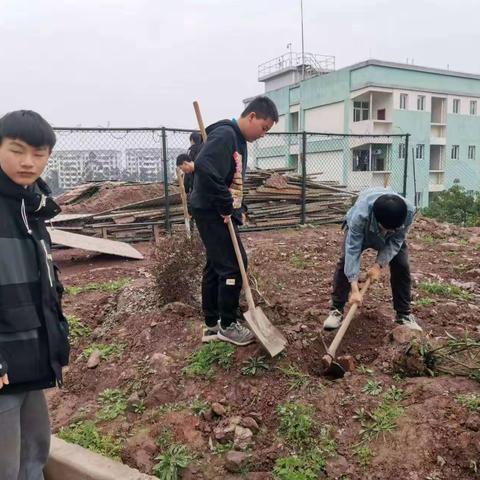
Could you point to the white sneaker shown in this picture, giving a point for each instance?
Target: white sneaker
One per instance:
(409, 321)
(334, 320)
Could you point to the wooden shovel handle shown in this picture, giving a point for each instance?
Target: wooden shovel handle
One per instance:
(233, 235)
(332, 350)
(201, 125)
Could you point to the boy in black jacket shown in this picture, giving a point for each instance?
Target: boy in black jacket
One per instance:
(33, 331)
(217, 196)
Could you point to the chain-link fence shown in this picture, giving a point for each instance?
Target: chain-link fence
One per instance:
(348, 163)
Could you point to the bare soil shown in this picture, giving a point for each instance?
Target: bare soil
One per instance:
(435, 437)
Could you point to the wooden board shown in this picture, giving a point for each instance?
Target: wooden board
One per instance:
(93, 244)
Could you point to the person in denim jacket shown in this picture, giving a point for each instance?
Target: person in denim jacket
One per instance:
(380, 220)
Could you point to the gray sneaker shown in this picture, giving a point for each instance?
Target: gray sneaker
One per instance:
(409, 321)
(334, 320)
(236, 334)
(209, 334)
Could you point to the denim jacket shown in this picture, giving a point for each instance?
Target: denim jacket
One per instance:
(364, 232)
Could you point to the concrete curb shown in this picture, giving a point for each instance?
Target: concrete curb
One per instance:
(72, 462)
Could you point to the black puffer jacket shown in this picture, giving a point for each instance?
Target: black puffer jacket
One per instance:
(33, 331)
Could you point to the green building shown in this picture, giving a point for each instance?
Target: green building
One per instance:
(438, 108)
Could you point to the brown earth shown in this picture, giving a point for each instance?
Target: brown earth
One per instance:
(435, 437)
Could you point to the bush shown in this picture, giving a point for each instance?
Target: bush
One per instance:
(177, 268)
(455, 205)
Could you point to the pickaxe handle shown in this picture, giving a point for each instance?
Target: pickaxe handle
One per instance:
(332, 350)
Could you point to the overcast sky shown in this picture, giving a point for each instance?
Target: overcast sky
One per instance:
(142, 62)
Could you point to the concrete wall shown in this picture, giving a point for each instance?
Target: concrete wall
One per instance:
(327, 118)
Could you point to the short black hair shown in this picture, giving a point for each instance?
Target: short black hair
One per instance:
(263, 108)
(28, 126)
(390, 210)
(183, 157)
(196, 138)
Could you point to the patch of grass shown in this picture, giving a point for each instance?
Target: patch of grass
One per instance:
(139, 407)
(382, 420)
(199, 407)
(164, 438)
(372, 387)
(297, 379)
(112, 286)
(428, 239)
(394, 394)
(469, 400)
(445, 290)
(86, 435)
(171, 463)
(424, 302)
(297, 261)
(364, 370)
(221, 448)
(202, 361)
(77, 329)
(113, 403)
(171, 407)
(307, 466)
(107, 350)
(254, 365)
(364, 456)
(296, 422)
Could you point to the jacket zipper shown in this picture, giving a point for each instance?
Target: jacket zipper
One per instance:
(46, 261)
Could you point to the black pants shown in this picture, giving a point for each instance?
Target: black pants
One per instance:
(222, 281)
(400, 281)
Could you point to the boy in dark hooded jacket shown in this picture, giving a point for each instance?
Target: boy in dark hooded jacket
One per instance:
(217, 196)
(33, 331)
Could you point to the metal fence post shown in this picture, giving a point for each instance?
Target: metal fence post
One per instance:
(165, 180)
(304, 177)
(405, 170)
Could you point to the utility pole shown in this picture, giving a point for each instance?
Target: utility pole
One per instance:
(303, 44)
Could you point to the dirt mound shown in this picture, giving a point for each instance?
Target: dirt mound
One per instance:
(99, 197)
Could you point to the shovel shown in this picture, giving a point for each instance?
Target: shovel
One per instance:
(266, 333)
(183, 196)
(337, 367)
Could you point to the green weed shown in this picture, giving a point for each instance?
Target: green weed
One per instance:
(171, 463)
(445, 290)
(201, 362)
(254, 365)
(86, 435)
(112, 286)
(107, 350)
(113, 403)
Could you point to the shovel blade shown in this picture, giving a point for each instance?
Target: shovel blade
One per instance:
(267, 334)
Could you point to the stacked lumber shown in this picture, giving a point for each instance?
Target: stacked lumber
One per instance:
(135, 212)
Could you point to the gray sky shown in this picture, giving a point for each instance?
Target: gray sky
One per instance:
(143, 62)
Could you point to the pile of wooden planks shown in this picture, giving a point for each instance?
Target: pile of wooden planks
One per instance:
(273, 198)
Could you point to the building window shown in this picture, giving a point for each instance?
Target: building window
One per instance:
(361, 160)
(471, 152)
(420, 151)
(403, 101)
(473, 107)
(421, 102)
(456, 105)
(360, 111)
(401, 150)
(455, 152)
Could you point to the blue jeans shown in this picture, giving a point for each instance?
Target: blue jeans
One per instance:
(25, 435)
